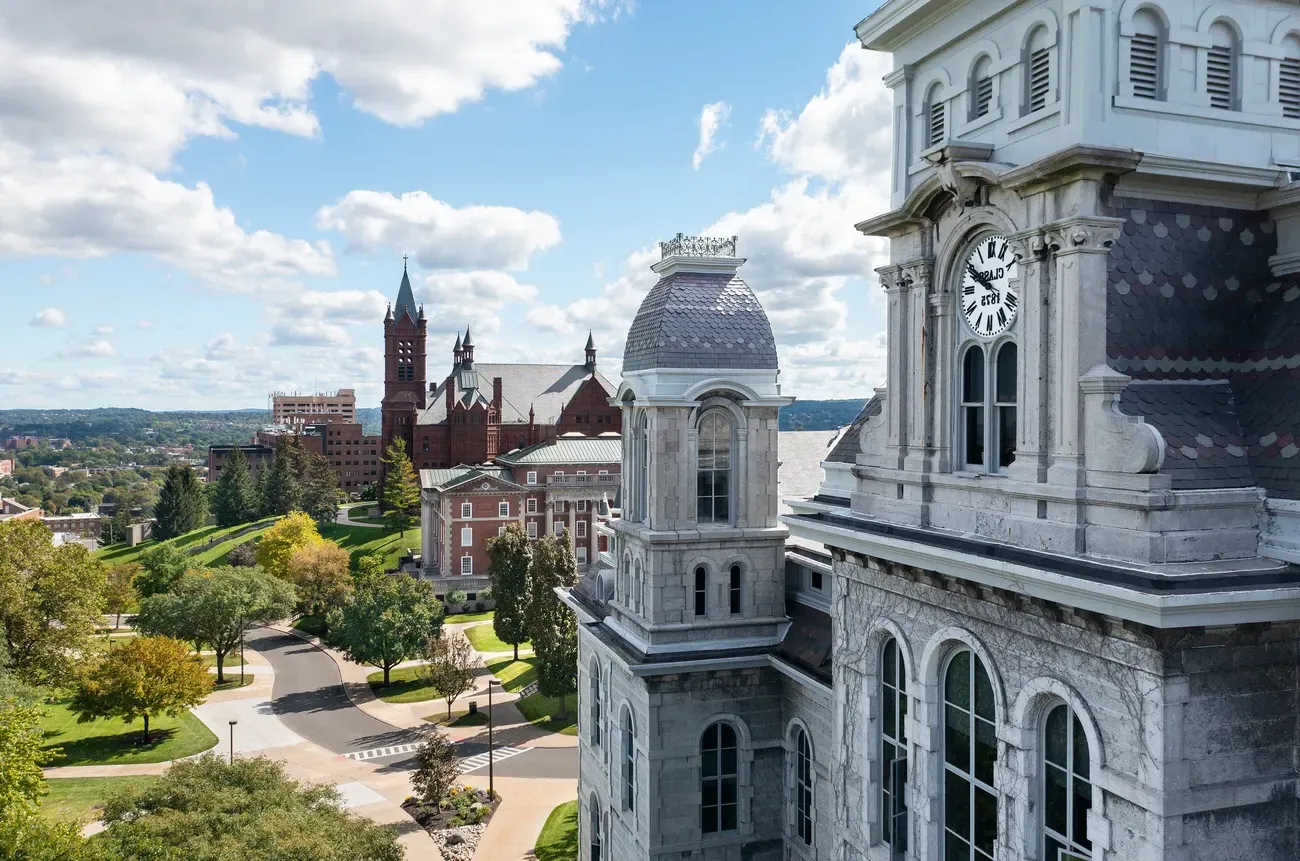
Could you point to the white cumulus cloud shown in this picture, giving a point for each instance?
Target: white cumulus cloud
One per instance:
(51, 317)
(712, 116)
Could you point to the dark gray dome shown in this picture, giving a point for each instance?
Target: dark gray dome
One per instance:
(700, 320)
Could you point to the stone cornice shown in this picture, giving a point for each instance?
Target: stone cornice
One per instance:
(1071, 165)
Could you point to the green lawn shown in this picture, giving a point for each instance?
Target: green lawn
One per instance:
(543, 713)
(111, 741)
(405, 686)
(313, 626)
(232, 681)
(458, 718)
(361, 540)
(459, 618)
(484, 639)
(77, 799)
(559, 838)
(120, 554)
(514, 674)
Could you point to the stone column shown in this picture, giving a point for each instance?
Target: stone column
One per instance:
(550, 516)
(1034, 374)
(891, 279)
(941, 348)
(573, 518)
(1079, 324)
(918, 277)
(593, 549)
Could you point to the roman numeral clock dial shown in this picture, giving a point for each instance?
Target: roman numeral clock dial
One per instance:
(988, 298)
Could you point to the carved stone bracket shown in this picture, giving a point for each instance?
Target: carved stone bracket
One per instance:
(1114, 442)
(917, 275)
(1085, 234)
(891, 278)
(873, 435)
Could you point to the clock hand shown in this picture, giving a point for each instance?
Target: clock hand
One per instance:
(974, 273)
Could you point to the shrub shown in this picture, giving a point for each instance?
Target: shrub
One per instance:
(456, 598)
(241, 556)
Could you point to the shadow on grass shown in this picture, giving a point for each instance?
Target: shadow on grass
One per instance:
(559, 838)
(101, 749)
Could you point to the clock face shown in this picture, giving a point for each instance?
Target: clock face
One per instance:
(988, 299)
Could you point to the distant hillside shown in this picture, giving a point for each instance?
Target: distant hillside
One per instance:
(819, 415)
(132, 427)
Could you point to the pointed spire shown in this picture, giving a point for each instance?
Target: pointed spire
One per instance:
(467, 349)
(591, 342)
(405, 305)
(456, 349)
(469, 339)
(591, 352)
(388, 315)
(421, 310)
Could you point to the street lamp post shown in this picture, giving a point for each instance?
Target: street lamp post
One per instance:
(492, 683)
(232, 741)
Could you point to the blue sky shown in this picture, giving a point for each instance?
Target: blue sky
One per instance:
(202, 208)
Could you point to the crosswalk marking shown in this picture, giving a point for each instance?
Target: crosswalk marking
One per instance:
(468, 764)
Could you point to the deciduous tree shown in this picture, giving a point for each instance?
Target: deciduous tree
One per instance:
(401, 487)
(235, 496)
(510, 555)
(320, 574)
(210, 810)
(213, 607)
(389, 621)
(21, 780)
(51, 600)
(285, 538)
(161, 567)
(119, 590)
(551, 625)
(436, 769)
(182, 504)
(452, 666)
(243, 555)
(142, 678)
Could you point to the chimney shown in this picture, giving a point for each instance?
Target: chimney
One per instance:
(496, 396)
(451, 394)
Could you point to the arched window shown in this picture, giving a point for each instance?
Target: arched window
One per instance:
(636, 587)
(980, 87)
(1146, 49)
(1037, 62)
(595, 829)
(733, 590)
(1221, 68)
(701, 591)
(803, 787)
(893, 748)
(934, 116)
(713, 476)
(625, 581)
(1067, 790)
(972, 407)
(719, 776)
(641, 474)
(629, 761)
(595, 703)
(1288, 82)
(970, 748)
(1004, 401)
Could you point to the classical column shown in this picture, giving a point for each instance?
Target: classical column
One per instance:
(1079, 324)
(918, 280)
(1033, 255)
(550, 517)
(891, 279)
(942, 390)
(573, 519)
(591, 531)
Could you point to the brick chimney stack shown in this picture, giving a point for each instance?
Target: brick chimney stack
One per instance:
(496, 396)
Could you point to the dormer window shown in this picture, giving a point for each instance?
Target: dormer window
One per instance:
(1038, 72)
(980, 88)
(1221, 68)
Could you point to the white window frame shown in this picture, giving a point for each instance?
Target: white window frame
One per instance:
(1070, 845)
(467, 565)
(531, 506)
(627, 789)
(532, 476)
(503, 509)
(580, 555)
(558, 527)
(580, 529)
(582, 505)
(467, 509)
(532, 529)
(466, 536)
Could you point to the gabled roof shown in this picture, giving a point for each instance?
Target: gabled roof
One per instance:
(445, 479)
(568, 450)
(405, 300)
(847, 447)
(546, 389)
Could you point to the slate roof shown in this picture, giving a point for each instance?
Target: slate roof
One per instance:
(568, 450)
(405, 303)
(847, 446)
(807, 643)
(700, 320)
(442, 479)
(1204, 447)
(547, 389)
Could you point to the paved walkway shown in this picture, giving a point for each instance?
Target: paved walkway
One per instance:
(344, 517)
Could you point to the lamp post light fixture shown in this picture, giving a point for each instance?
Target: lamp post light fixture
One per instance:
(492, 684)
(232, 741)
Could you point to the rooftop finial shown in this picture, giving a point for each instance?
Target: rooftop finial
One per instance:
(682, 245)
(403, 263)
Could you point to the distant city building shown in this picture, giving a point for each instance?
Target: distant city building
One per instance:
(352, 454)
(60, 443)
(478, 412)
(16, 443)
(12, 509)
(564, 483)
(296, 411)
(74, 526)
(257, 454)
(6, 466)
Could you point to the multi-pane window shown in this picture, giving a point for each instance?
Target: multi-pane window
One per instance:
(1221, 67)
(629, 762)
(531, 505)
(803, 787)
(713, 474)
(981, 88)
(733, 590)
(972, 406)
(970, 749)
(1004, 401)
(467, 564)
(582, 505)
(466, 509)
(642, 474)
(558, 526)
(581, 527)
(893, 748)
(531, 477)
(1067, 788)
(503, 509)
(532, 529)
(595, 829)
(701, 590)
(501, 530)
(595, 704)
(580, 555)
(719, 775)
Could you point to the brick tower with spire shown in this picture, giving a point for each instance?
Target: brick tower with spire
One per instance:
(404, 367)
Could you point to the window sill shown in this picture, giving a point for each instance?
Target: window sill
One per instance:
(1052, 110)
(980, 122)
(1268, 121)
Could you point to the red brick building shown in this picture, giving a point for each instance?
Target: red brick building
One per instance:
(566, 482)
(479, 411)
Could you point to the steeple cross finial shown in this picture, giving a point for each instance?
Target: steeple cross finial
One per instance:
(403, 262)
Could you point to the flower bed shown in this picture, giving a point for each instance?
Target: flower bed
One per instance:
(457, 822)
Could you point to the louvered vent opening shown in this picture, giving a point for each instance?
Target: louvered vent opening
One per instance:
(1040, 76)
(1218, 78)
(983, 96)
(936, 124)
(1144, 66)
(1289, 89)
